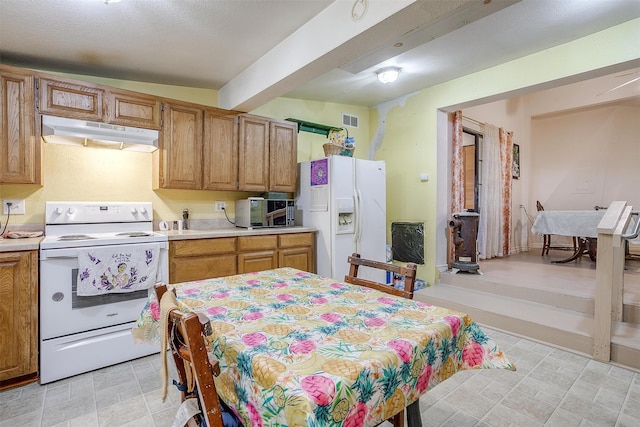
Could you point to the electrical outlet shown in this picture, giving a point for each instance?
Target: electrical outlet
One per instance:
(17, 206)
(221, 206)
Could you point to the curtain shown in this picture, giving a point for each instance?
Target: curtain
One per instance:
(494, 227)
(506, 158)
(490, 230)
(457, 170)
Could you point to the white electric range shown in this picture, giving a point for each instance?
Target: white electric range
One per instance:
(82, 333)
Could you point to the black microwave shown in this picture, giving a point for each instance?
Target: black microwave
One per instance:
(279, 212)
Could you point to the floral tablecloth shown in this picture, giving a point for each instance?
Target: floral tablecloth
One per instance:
(298, 349)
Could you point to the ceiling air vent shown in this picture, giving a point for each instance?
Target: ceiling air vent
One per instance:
(349, 120)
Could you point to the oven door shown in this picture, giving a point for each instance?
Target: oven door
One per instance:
(62, 312)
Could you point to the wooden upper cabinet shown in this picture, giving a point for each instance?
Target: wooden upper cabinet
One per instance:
(20, 146)
(283, 152)
(179, 155)
(71, 99)
(133, 109)
(253, 153)
(220, 150)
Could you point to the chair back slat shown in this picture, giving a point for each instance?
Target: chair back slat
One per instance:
(409, 272)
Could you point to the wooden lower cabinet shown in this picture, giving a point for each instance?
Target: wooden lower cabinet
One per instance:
(257, 253)
(18, 318)
(297, 251)
(199, 259)
(257, 261)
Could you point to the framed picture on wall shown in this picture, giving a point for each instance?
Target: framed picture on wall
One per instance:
(515, 163)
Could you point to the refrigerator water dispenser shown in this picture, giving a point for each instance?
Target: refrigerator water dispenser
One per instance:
(346, 216)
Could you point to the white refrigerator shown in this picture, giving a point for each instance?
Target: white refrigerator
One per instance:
(345, 199)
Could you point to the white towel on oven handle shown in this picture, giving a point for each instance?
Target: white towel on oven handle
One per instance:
(117, 269)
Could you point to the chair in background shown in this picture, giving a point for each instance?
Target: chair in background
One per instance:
(185, 335)
(546, 238)
(409, 273)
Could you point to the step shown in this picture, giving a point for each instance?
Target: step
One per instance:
(556, 298)
(563, 328)
(625, 344)
(566, 329)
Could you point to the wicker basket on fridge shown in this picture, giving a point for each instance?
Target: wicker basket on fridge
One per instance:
(332, 149)
(336, 145)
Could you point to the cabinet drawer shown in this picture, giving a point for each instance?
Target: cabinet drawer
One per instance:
(202, 246)
(257, 243)
(202, 267)
(295, 240)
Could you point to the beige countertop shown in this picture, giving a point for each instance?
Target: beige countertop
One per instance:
(33, 244)
(13, 245)
(233, 232)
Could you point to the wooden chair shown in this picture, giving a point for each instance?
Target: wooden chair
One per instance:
(546, 238)
(185, 334)
(409, 273)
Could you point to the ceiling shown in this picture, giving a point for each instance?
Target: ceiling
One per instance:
(254, 51)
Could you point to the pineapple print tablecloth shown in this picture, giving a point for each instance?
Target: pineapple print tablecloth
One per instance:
(297, 349)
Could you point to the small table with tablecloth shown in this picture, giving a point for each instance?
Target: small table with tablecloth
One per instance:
(299, 349)
(580, 224)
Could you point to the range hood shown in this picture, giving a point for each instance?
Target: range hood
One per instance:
(60, 130)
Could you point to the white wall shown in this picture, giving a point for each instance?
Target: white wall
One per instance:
(586, 157)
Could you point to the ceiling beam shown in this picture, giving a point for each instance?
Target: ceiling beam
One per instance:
(330, 40)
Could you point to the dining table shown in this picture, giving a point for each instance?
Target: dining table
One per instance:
(298, 349)
(582, 224)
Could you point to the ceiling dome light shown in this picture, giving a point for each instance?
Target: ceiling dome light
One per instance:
(388, 75)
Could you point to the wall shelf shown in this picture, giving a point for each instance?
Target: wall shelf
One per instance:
(311, 127)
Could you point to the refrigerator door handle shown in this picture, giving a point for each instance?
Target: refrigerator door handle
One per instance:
(358, 225)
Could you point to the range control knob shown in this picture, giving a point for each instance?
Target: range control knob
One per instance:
(134, 210)
(71, 211)
(143, 210)
(58, 211)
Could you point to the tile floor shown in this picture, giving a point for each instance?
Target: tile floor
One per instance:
(550, 388)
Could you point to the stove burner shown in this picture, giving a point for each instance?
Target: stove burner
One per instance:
(135, 234)
(75, 237)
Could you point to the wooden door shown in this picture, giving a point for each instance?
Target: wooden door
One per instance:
(71, 99)
(20, 146)
(253, 152)
(19, 314)
(131, 109)
(220, 150)
(469, 165)
(283, 153)
(179, 157)
(300, 258)
(257, 261)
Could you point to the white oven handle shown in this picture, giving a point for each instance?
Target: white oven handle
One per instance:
(73, 252)
(59, 253)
